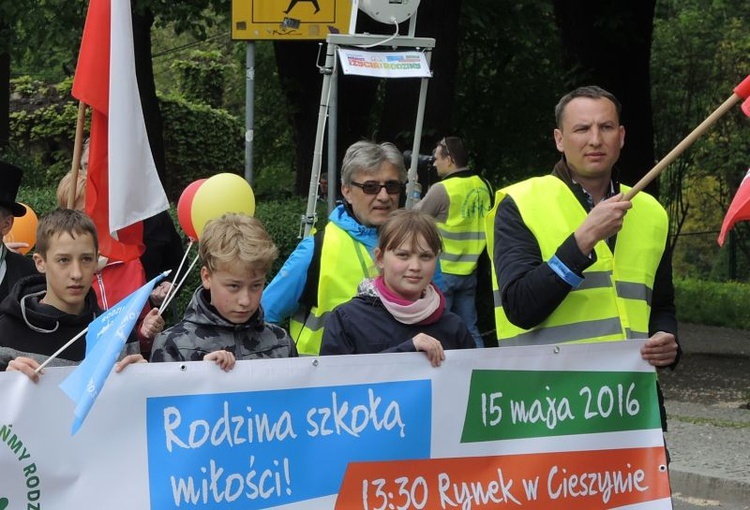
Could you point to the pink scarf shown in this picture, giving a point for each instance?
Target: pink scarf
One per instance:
(426, 310)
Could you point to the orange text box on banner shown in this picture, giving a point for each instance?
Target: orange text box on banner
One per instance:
(289, 19)
(543, 481)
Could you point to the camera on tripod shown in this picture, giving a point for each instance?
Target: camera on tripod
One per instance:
(424, 161)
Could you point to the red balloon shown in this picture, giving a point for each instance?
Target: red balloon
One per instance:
(185, 207)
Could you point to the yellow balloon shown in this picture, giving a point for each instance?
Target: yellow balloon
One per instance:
(221, 194)
(23, 230)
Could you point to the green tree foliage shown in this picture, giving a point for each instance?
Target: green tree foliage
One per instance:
(508, 82)
(701, 50)
(42, 36)
(202, 77)
(42, 129)
(200, 140)
(272, 144)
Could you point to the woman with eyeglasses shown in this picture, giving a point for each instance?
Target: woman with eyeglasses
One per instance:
(400, 310)
(325, 269)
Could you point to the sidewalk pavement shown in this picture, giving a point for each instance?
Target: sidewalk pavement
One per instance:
(710, 442)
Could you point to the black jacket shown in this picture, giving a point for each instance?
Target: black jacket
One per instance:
(37, 330)
(531, 290)
(364, 326)
(17, 266)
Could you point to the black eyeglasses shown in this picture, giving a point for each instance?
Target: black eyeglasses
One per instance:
(374, 187)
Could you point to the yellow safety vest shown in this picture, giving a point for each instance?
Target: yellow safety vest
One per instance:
(614, 300)
(463, 230)
(344, 263)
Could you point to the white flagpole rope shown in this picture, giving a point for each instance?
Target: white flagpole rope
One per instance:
(166, 303)
(171, 290)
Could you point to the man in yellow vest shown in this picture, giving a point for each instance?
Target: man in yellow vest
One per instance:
(459, 203)
(325, 270)
(574, 262)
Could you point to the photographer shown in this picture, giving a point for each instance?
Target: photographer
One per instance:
(458, 203)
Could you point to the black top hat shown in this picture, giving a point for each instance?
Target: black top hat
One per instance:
(10, 179)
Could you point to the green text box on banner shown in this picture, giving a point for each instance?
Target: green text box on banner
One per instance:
(525, 404)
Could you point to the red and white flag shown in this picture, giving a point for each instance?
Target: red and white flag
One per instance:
(123, 187)
(739, 209)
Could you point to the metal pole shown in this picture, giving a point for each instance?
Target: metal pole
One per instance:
(411, 183)
(249, 109)
(333, 127)
(308, 220)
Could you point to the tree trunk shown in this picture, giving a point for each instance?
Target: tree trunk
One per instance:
(301, 83)
(608, 43)
(440, 21)
(144, 71)
(4, 98)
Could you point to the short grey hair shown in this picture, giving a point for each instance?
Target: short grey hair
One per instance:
(590, 91)
(367, 156)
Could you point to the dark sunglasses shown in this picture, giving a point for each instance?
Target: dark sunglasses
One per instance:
(374, 187)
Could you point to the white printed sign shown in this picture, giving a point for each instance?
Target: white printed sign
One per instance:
(381, 64)
(523, 426)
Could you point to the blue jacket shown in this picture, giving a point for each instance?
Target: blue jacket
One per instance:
(281, 298)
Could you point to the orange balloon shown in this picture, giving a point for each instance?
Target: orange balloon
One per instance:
(23, 230)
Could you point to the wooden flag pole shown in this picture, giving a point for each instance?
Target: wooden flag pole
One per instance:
(77, 150)
(741, 91)
(684, 144)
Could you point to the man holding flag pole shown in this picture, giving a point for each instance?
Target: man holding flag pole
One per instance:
(577, 261)
(576, 256)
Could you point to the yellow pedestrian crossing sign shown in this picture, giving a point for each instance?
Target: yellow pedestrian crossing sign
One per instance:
(289, 19)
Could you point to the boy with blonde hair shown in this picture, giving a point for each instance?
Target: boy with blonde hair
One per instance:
(224, 320)
(44, 311)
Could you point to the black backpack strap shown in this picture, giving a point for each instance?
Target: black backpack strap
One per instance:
(489, 188)
(309, 297)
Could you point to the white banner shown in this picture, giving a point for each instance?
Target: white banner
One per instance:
(549, 427)
(382, 64)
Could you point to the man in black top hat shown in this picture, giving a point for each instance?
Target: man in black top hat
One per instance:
(13, 266)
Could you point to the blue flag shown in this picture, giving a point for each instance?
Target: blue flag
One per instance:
(105, 340)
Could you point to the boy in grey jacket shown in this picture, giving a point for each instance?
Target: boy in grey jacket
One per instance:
(224, 320)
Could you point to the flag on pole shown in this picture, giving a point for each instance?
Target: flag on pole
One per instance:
(122, 187)
(105, 340)
(739, 209)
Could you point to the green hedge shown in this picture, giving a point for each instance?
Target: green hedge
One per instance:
(713, 303)
(199, 141)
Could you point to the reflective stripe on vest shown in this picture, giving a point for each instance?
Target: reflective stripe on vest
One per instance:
(463, 230)
(614, 300)
(344, 263)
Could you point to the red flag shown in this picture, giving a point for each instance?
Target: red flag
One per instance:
(739, 210)
(122, 186)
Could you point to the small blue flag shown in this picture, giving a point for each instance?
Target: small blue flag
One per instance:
(105, 340)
